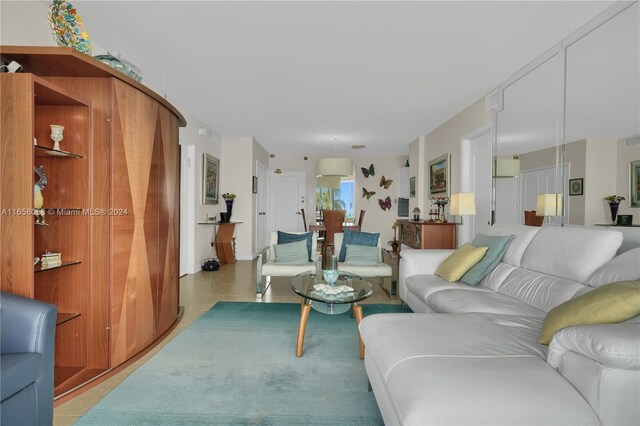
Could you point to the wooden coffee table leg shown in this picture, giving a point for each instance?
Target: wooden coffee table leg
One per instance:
(304, 316)
(357, 311)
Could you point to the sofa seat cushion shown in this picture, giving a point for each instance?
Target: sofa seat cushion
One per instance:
(19, 370)
(279, 270)
(460, 302)
(393, 338)
(425, 285)
(484, 390)
(378, 270)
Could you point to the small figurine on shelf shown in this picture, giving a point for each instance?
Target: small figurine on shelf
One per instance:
(57, 135)
(38, 200)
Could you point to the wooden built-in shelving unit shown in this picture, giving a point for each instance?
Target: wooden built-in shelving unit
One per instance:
(111, 206)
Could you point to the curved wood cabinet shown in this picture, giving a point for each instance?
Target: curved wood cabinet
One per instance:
(112, 206)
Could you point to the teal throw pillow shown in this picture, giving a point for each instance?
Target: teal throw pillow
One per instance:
(284, 238)
(357, 238)
(361, 255)
(497, 247)
(291, 253)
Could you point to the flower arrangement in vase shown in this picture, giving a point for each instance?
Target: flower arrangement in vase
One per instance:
(614, 204)
(440, 201)
(228, 199)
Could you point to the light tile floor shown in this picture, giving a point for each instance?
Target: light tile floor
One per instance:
(198, 293)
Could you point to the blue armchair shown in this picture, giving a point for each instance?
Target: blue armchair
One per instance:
(27, 336)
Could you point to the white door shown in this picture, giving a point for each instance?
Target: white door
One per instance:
(288, 197)
(262, 229)
(476, 178)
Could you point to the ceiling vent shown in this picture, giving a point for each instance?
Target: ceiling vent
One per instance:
(207, 132)
(632, 141)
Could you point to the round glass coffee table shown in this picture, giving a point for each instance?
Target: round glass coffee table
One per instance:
(308, 286)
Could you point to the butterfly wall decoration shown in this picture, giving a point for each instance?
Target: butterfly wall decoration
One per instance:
(368, 172)
(385, 183)
(367, 194)
(385, 204)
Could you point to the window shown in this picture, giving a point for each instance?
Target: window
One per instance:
(337, 199)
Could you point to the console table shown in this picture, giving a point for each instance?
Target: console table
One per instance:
(428, 235)
(223, 241)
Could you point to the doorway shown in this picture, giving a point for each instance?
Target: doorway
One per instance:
(187, 206)
(476, 177)
(288, 194)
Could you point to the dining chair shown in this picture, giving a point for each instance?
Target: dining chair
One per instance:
(333, 221)
(361, 218)
(530, 218)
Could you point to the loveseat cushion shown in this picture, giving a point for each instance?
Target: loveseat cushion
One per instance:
(19, 370)
(357, 238)
(608, 304)
(294, 253)
(497, 246)
(361, 255)
(571, 253)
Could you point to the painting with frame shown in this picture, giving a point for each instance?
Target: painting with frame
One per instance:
(210, 179)
(634, 184)
(440, 176)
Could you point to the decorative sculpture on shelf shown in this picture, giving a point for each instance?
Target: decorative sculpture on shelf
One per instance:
(38, 200)
(57, 135)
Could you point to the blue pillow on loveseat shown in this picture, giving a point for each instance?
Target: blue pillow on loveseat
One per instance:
(357, 238)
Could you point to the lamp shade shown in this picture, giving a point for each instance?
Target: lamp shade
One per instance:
(549, 205)
(507, 167)
(328, 182)
(463, 204)
(334, 167)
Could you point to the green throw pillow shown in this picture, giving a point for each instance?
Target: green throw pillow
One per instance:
(456, 265)
(361, 255)
(497, 247)
(608, 304)
(292, 253)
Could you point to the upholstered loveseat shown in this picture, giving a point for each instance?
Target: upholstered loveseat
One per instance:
(470, 355)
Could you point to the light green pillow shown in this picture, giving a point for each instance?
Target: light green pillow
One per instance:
(292, 253)
(608, 304)
(361, 255)
(463, 259)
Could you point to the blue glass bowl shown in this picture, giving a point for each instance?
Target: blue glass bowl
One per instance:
(330, 275)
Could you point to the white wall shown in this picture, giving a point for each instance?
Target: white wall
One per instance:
(375, 219)
(600, 166)
(625, 155)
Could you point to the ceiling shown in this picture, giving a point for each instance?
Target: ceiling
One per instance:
(318, 77)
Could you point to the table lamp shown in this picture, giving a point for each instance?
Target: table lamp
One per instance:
(463, 204)
(416, 214)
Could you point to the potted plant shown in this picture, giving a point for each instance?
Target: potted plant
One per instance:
(614, 203)
(395, 243)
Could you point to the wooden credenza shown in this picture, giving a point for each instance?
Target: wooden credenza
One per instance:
(428, 235)
(111, 203)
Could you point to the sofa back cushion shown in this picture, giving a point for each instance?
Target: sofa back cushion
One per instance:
(571, 253)
(338, 242)
(625, 267)
(522, 236)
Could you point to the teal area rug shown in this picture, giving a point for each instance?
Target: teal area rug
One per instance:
(236, 364)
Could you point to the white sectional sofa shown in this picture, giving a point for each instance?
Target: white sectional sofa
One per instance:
(469, 355)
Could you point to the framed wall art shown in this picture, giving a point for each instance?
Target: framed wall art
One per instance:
(634, 184)
(439, 176)
(576, 186)
(210, 179)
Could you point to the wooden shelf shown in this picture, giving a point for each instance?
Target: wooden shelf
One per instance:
(39, 268)
(44, 152)
(62, 318)
(47, 93)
